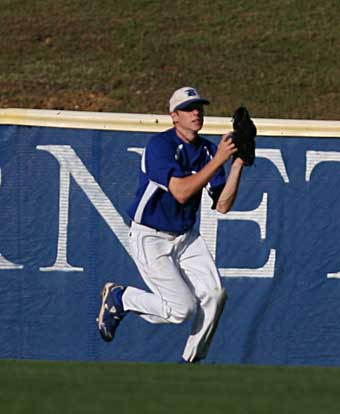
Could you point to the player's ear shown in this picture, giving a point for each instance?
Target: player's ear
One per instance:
(174, 116)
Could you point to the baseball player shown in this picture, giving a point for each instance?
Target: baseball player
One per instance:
(172, 257)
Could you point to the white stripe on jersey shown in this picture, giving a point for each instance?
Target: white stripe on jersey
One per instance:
(148, 193)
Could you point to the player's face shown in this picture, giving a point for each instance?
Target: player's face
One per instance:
(189, 119)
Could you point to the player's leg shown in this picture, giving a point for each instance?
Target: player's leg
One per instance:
(200, 270)
(170, 299)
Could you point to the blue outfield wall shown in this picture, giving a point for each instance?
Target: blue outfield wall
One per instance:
(63, 199)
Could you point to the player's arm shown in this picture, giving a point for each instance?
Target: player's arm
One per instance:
(182, 188)
(229, 192)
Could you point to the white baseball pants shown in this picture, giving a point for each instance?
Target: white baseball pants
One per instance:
(184, 281)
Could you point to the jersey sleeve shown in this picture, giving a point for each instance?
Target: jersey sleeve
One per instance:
(160, 163)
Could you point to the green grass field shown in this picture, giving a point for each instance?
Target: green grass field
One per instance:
(280, 58)
(31, 387)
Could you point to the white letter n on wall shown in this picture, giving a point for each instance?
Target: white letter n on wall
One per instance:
(70, 164)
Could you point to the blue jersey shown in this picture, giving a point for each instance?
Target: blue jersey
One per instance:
(166, 156)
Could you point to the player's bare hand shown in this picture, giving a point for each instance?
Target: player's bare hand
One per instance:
(226, 148)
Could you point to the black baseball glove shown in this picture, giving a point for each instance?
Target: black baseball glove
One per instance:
(244, 135)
